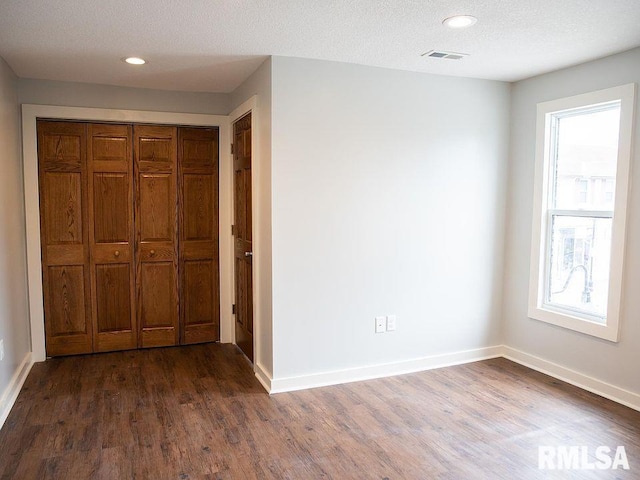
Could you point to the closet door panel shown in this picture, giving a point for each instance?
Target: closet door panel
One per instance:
(155, 152)
(157, 208)
(111, 205)
(111, 145)
(198, 207)
(62, 170)
(199, 298)
(113, 297)
(156, 279)
(111, 236)
(62, 205)
(156, 145)
(198, 222)
(67, 296)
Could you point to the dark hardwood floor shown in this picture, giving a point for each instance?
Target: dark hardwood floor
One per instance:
(197, 412)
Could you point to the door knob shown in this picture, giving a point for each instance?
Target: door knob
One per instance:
(248, 254)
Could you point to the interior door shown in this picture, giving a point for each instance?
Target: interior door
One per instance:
(155, 150)
(198, 225)
(62, 171)
(243, 252)
(110, 186)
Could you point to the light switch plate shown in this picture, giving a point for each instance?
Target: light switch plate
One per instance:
(381, 326)
(391, 323)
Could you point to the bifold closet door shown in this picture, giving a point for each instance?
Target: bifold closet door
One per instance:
(129, 234)
(155, 153)
(198, 220)
(110, 187)
(62, 171)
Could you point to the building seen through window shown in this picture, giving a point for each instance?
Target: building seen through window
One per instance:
(585, 147)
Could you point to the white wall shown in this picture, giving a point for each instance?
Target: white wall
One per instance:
(14, 315)
(388, 198)
(614, 363)
(260, 84)
(70, 94)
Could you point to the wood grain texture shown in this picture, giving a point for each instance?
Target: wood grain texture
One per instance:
(156, 226)
(67, 300)
(243, 249)
(111, 236)
(62, 172)
(200, 300)
(199, 266)
(129, 256)
(156, 279)
(199, 219)
(157, 204)
(114, 298)
(198, 412)
(63, 208)
(111, 204)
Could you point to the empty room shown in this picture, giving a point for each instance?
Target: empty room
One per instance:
(356, 239)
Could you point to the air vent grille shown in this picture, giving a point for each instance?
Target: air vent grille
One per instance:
(443, 54)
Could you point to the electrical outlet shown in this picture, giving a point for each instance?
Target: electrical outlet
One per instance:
(391, 323)
(381, 324)
(1, 350)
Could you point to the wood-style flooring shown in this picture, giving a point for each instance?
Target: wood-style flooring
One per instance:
(198, 412)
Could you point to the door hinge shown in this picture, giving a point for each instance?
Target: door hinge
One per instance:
(232, 148)
(233, 309)
(233, 230)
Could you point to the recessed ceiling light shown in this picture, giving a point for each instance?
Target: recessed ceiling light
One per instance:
(459, 21)
(135, 60)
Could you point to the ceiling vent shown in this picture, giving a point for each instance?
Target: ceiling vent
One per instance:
(443, 54)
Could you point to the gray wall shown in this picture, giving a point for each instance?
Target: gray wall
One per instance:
(380, 192)
(614, 363)
(14, 315)
(388, 198)
(70, 94)
(260, 84)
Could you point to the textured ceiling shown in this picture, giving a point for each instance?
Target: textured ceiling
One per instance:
(213, 45)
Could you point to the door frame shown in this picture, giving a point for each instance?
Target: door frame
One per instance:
(249, 106)
(32, 201)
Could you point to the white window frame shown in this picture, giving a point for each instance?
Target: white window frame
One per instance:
(540, 229)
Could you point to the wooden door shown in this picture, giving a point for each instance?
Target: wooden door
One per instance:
(243, 252)
(110, 187)
(198, 226)
(155, 150)
(64, 235)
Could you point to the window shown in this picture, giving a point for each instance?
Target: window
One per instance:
(583, 190)
(582, 175)
(608, 190)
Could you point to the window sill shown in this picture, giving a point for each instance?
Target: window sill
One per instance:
(608, 331)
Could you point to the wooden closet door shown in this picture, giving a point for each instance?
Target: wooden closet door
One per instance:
(110, 186)
(156, 235)
(65, 243)
(198, 221)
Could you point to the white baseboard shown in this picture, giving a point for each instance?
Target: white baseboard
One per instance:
(263, 376)
(606, 390)
(10, 393)
(279, 385)
(590, 384)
